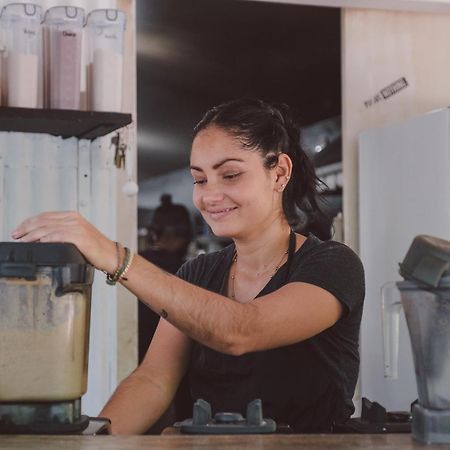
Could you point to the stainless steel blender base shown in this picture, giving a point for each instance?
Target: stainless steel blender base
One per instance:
(430, 426)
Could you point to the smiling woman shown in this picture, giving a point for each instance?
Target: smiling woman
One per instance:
(275, 315)
(233, 190)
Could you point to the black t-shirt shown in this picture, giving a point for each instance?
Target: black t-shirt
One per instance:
(308, 385)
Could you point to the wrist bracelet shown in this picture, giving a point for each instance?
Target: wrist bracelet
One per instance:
(112, 279)
(130, 255)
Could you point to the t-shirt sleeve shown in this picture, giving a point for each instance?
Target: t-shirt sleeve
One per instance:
(188, 270)
(199, 270)
(336, 268)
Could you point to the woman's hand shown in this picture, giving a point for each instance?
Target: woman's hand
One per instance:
(70, 226)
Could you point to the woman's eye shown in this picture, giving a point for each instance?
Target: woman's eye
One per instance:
(199, 181)
(231, 176)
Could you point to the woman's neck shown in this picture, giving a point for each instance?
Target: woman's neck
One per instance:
(259, 251)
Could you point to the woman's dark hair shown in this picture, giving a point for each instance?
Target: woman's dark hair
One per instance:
(271, 129)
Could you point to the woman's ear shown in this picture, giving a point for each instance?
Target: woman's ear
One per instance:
(283, 171)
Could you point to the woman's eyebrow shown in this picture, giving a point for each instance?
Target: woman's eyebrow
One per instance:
(216, 166)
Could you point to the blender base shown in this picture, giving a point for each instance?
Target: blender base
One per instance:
(49, 418)
(430, 426)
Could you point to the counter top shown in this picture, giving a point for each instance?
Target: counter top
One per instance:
(185, 442)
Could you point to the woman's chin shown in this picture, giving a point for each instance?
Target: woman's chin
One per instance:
(222, 232)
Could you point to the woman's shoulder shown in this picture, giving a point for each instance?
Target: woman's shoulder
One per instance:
(330, 250)
(333, 266)
(196, 269)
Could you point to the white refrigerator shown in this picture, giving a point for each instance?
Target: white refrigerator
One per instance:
(404, 179)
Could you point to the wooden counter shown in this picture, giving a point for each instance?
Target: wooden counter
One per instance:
(259, 442)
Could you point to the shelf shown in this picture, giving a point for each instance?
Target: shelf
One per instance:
(62, 122)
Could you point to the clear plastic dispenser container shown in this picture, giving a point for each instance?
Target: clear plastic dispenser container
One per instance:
(425, 299)
(45, 292)
(105, 29)
(22, 54)
(63, 36)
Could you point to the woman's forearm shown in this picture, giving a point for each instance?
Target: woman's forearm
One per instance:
(203, 315)
(137, 404)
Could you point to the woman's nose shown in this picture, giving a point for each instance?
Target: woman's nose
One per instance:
(212, 193)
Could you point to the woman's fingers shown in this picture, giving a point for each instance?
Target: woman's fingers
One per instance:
(72, 227)
(41, 220)
(42, 234)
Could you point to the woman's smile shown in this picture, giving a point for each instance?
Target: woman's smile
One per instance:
(220, 213)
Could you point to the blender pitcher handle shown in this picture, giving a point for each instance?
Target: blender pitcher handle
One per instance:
(390, 307)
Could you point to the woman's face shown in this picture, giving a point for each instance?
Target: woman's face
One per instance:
(234, 192)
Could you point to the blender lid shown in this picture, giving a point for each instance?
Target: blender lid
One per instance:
(23, 260)
(41, 254)
(427, 261)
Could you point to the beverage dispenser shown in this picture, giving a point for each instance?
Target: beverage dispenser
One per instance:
(63, 35)
(105, 30)
(21, 54)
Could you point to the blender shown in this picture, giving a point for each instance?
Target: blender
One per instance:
(45, 293)
(425, 298)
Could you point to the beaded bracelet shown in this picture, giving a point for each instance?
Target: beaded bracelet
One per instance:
(127, 265)
(112, 279)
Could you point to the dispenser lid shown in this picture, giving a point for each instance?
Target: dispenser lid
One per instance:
(427, 261)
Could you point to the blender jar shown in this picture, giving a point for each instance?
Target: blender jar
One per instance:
(424, 297)
(44, 322)
(105, 28)
(21, 55)
(63, 34)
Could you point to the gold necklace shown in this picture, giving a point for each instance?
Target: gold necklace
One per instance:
(233, 276)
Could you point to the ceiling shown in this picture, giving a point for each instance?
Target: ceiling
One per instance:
(193, 54)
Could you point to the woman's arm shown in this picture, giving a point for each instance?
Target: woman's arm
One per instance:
(144, 396)
(293, 313)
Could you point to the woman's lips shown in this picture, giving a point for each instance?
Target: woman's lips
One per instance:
(220, 213)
